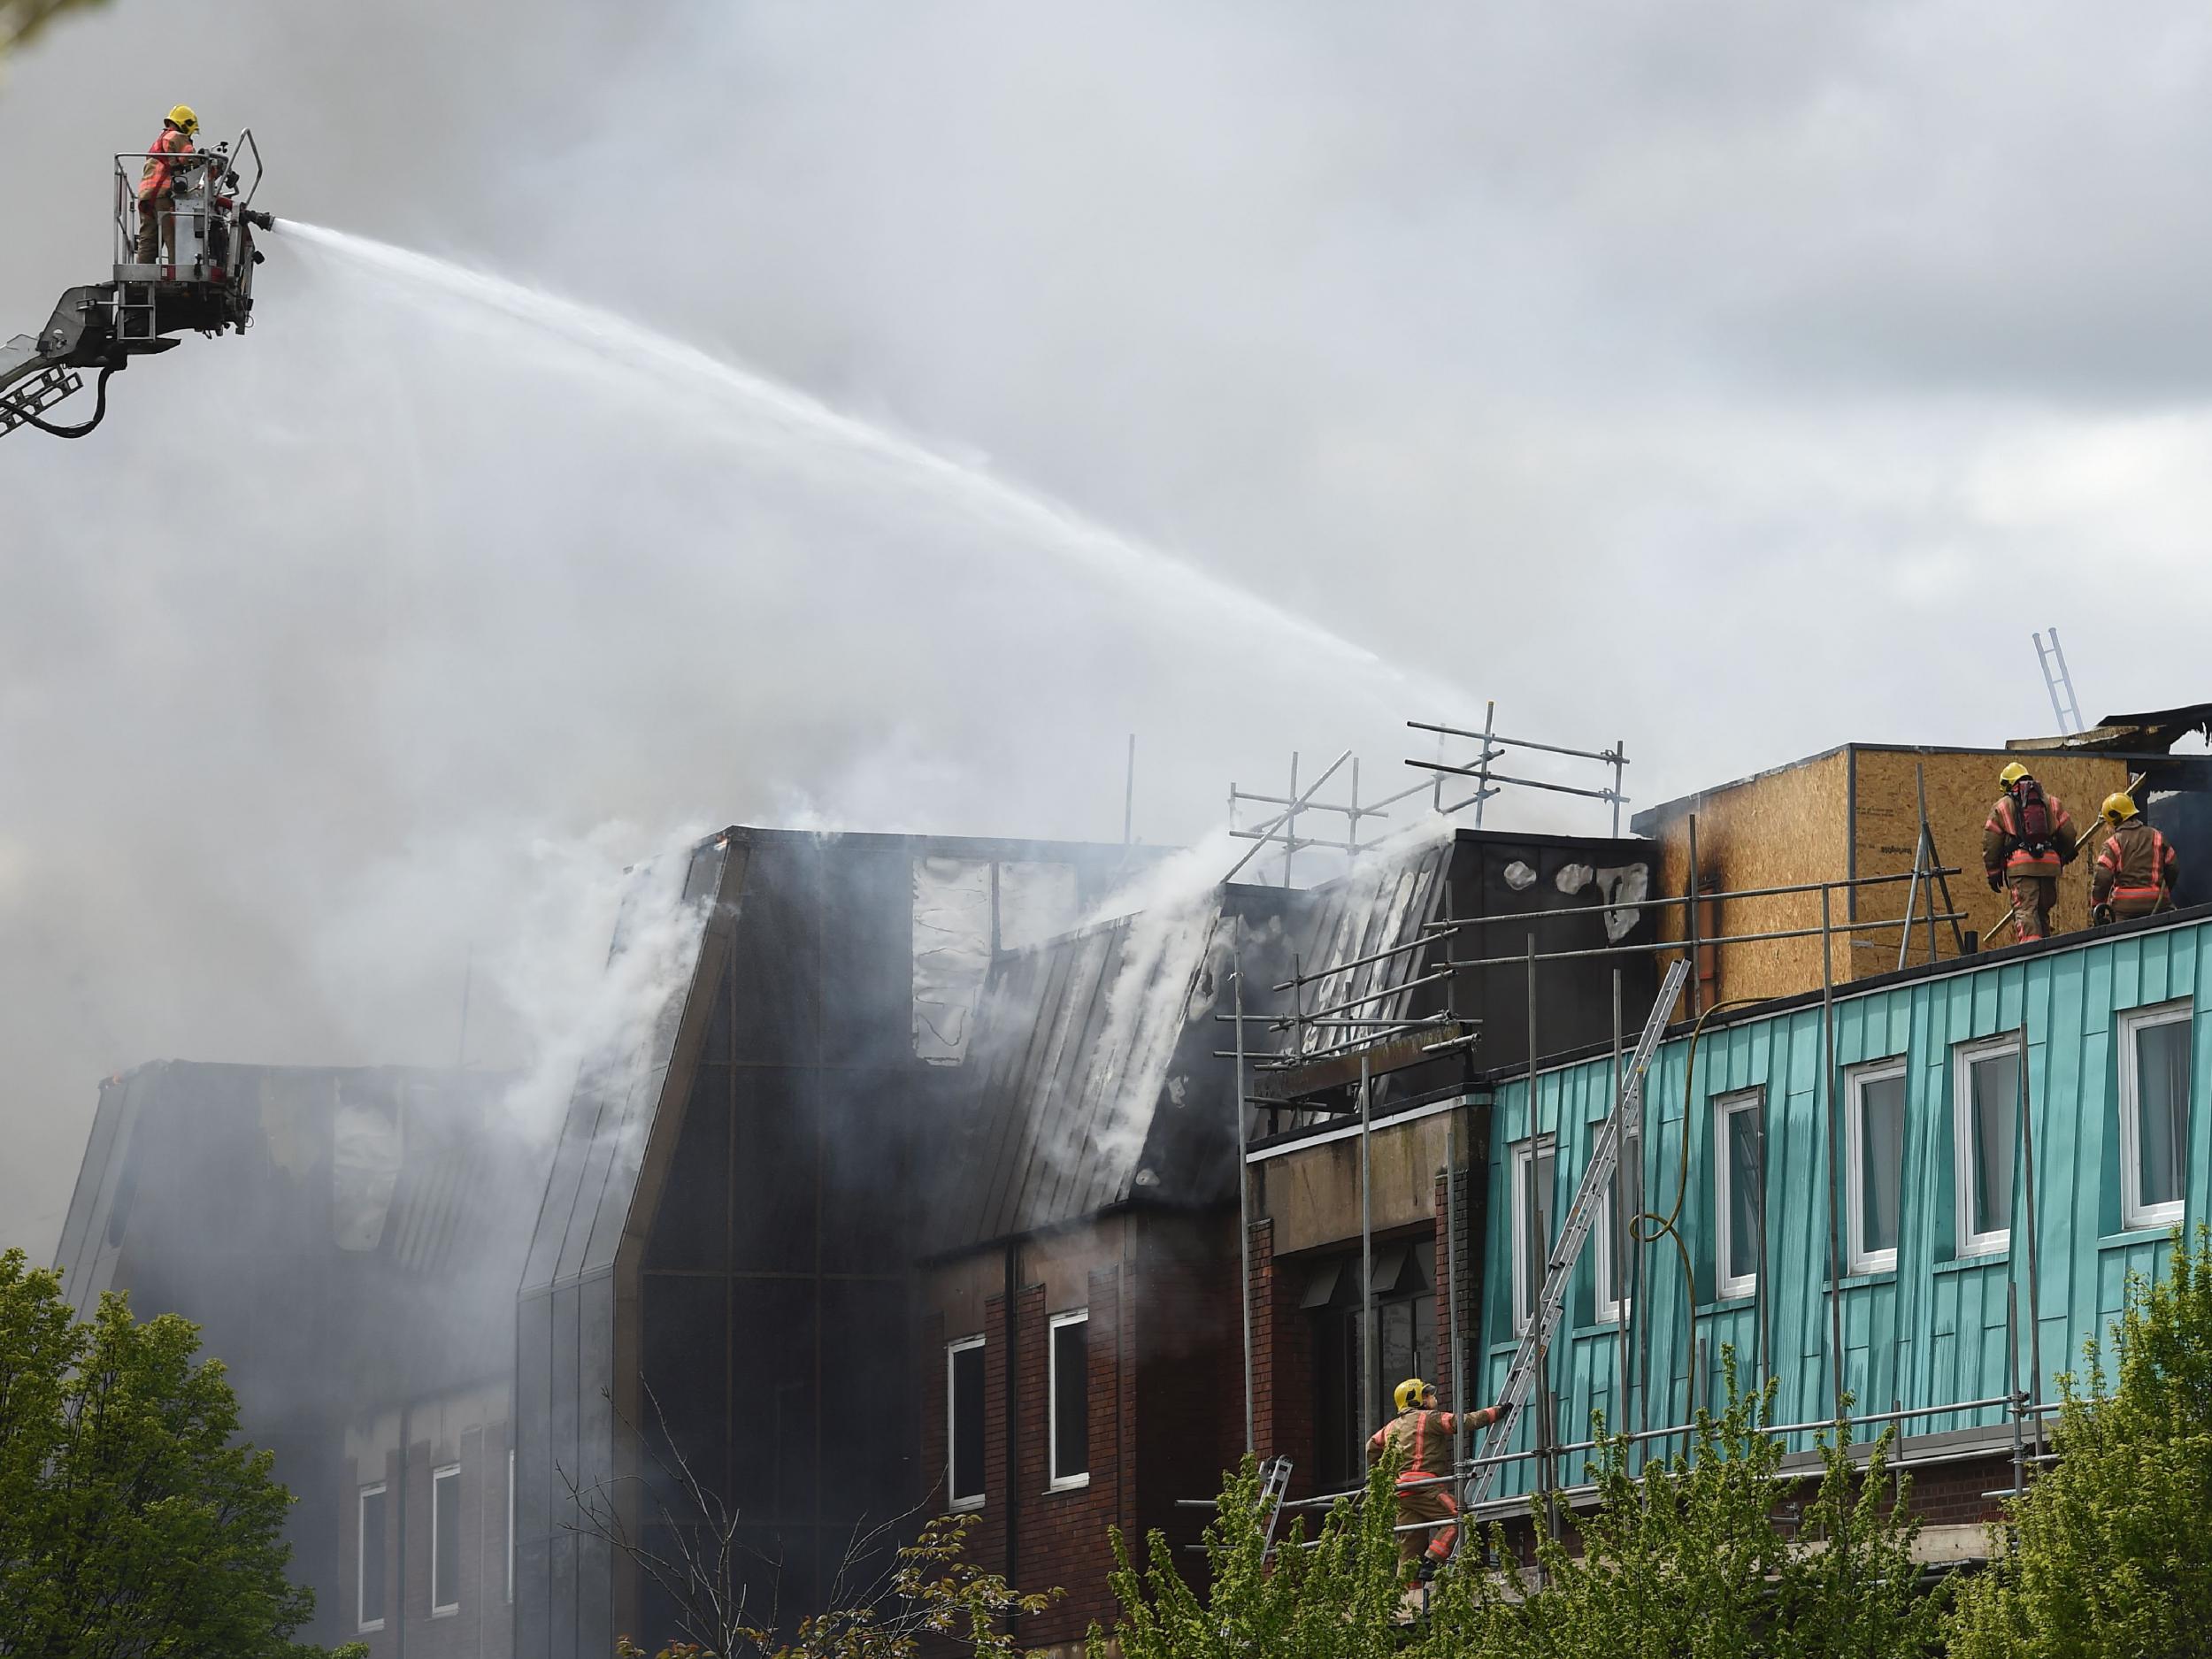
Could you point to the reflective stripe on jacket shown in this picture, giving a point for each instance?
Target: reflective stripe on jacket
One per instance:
(2002, 852)
(157, 180)
(2135, 864)
(1427, 1438)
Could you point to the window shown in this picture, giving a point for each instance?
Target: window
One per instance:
(369, 1560)
(445, 1541)
(1987, 1102)
(964, 1422)
(1070, 1385)
(1611, 1248)
(1528, 1265)
(1403, 1283)
(2153, 1114)
(1875, 1163)
(1738, 1193)
(511, 1524)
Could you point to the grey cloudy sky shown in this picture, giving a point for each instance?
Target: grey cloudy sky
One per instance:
(1736, 379)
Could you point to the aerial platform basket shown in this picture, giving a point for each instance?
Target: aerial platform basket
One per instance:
(199, 280)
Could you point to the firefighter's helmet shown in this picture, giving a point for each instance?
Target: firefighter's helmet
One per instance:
(1410, 1393)
(2119, 806)
(182, 118)
(2012, 773)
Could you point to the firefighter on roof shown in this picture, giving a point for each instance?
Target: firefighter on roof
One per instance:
(1426, 1434)
(2136, 868)
(158, 184)
(2026, 841)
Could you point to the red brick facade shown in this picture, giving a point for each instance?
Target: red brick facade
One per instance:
(480, 1621)
(1164, 1400)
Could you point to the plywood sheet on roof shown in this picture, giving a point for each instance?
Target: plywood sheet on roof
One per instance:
(1962, 787)
(1775, 830)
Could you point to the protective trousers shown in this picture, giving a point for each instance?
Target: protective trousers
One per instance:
(1426, 1504)
(2032, 899)
(156, 231)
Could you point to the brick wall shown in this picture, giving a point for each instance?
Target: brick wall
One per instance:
(481, 1624)
(1282, 1371)
(1165, 1402)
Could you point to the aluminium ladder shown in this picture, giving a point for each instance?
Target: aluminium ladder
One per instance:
(1274, 1482)
(2059, 684)
(1582, 1215)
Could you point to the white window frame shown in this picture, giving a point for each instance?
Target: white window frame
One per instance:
(361, 1557)
(973, 1501)
(448, 1471)
(1964, 1057)
(1728, 1287)
(1518, 1162)
(1052, 1326)
(510, 1526)
(1607, 1306)
(1860, 1259)
(2134, 1213)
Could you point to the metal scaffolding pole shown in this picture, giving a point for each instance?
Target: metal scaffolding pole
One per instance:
(1697, 991)
(1244, 1181)
(1836, 1264)
(1366, 1254)
(2026, 1143)
(1624, 1212)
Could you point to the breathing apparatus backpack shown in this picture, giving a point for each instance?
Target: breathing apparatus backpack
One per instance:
(2032, 816)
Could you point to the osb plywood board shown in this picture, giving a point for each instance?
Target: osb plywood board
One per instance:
(1962, 788)
(1775, 830)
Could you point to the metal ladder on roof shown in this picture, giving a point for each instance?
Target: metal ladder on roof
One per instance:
(2059, 684)
(1582, 1215)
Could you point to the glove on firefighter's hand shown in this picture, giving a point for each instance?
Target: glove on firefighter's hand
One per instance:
(1996, 882)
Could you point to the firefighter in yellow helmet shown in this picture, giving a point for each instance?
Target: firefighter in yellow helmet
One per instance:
(158, 183)
(2026, 841)
(1426, 1434)
(2135, 867)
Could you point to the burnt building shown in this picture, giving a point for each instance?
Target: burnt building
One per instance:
(715, 1301)
(347, 1240)
(900, 1184)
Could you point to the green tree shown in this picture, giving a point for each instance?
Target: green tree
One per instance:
(1687, 1557)
(2106, 1554)
(21, 20)
(1336, 1597)
(935, 1596)
(131, 1521)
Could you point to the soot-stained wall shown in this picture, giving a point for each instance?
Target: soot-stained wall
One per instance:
(760, 1325)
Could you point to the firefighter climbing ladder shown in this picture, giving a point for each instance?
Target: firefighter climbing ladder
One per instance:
(1581, 1216)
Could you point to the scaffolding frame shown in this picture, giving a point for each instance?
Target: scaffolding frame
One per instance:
(1400, 1042)
(1280, 829)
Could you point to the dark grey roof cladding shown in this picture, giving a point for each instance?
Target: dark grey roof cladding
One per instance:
(1080, 1039)
(658, 937)
(1100, 1085)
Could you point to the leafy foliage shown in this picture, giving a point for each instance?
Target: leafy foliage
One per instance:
(21, 20)
(130, 1522)
(1688, 1558)
(2106, 1554)
(1336, 1597)
(935, 1594)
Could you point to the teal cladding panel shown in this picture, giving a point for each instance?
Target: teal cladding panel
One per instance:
(1935, 1329)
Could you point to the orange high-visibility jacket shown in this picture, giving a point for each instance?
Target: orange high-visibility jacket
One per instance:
(1427, 1438)
(2135, 867)
(157, 180)
(2001, 851)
